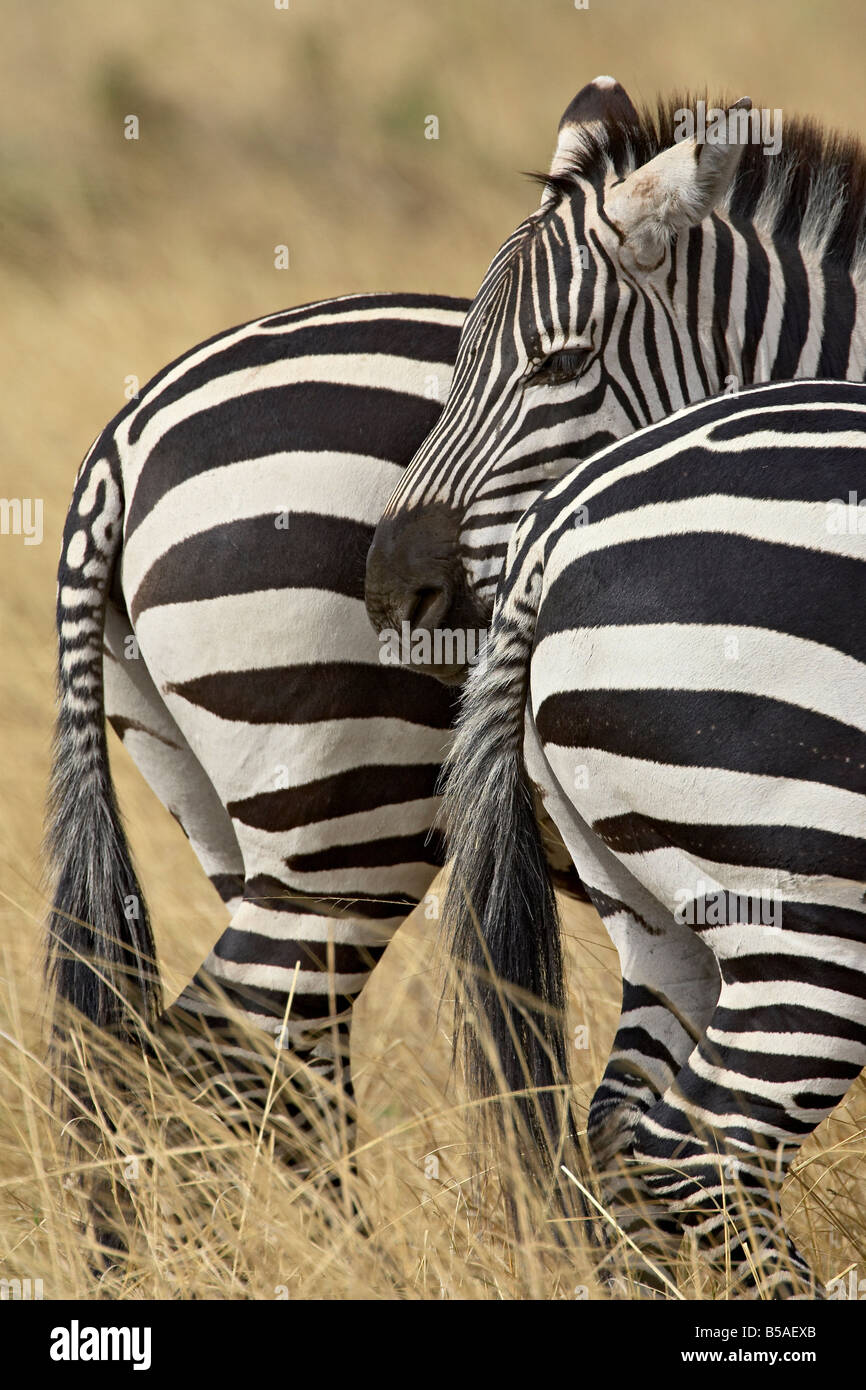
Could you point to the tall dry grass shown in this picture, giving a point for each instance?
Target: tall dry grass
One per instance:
(206, 1212)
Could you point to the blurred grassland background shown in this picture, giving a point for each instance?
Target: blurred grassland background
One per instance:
(305, 127)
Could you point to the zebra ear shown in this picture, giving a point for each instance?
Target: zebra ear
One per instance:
(674, 191)
(602, 99)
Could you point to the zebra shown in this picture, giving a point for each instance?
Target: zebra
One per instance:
(655, 272)
(678, 645)
(210, 601)
(755, 272)
(360, 383)
(210, 604)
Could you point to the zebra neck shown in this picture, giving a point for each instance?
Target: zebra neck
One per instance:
(779, 310)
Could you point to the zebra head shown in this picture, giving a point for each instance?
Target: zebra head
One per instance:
(579, 334)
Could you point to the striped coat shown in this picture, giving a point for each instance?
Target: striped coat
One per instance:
(210, 601)
(679, 639)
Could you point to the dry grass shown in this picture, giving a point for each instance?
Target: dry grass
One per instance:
(261, 127)
(208, 1214)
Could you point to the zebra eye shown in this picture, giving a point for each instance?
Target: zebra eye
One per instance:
(559, 367)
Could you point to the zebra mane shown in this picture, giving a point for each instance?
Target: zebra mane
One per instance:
(813, 192)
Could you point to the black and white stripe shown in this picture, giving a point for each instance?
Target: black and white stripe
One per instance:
(215, 545)
(211, 604)
(681, 621)
(654, 273)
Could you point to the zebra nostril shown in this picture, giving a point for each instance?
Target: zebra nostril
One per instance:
(426, 605)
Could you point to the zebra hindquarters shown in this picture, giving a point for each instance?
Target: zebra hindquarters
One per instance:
(711, 687)
(779, 906)
(326, 762)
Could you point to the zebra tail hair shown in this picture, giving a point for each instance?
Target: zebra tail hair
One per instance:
(100, 952)
(500, 918)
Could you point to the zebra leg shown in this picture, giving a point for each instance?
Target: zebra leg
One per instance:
(787, 1038)
(670, 978)
(226, 1031)
(670, 986)
(288, 969)
(139, 716)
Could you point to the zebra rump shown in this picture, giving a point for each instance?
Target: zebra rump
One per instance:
(498, 911)
(227, 444)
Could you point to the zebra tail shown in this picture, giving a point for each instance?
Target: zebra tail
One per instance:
(500, 918)
(100, 949)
